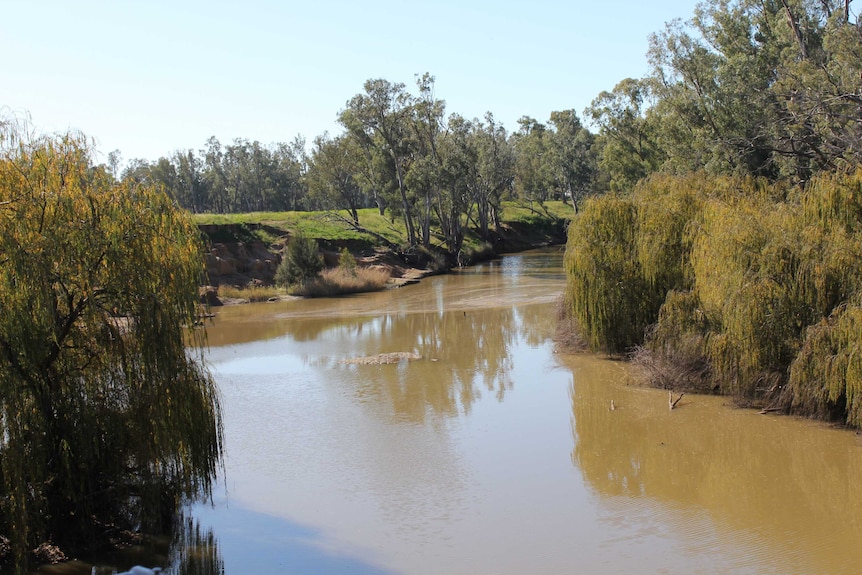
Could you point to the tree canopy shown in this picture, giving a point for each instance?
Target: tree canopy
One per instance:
(106, 418)
(745, 87)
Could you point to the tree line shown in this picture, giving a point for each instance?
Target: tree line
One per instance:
(767, 88)
(399, 152)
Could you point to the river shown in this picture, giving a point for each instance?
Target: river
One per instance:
(492, 453)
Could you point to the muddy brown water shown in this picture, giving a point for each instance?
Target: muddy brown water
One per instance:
(491, 453)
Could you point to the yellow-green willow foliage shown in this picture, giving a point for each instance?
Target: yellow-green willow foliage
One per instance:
(743, 272)
(609, 297)
(625, 253)
(745, 281)
(826, 377)
(105, 417)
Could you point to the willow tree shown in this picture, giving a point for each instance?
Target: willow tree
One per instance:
(106, 419)
(607, 292)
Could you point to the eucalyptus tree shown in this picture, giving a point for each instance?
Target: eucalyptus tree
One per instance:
(382, 116)
(115, 158)
(456, 178)
(214, 176)
(332, 174)
(107, 418)
(820, 91)
(495, 172)
(533, 178)
(628, 134)
(237, 175)
(291, 168)
(712, 78)
(766, 88)
(137, 171)
(163, 173)
(190, 191)
(427, 124)
(572, 159)
(554, 160)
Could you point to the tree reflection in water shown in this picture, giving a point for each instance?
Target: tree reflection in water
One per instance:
(194, 551)
(777, 486)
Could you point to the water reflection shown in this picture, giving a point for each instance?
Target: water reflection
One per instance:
(195, 551)
(191, 550)
(261, 543)
(534, 277)
(463, 326)
(492, 455)
(783, 490)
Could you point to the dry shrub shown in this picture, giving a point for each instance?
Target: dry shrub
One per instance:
(338, 281)
(680, 368)
(250, 293)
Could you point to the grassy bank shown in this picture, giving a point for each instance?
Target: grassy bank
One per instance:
(332, 228)
(378, 241)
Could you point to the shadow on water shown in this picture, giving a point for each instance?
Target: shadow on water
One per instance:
(191, 550)
(252, 542)
(247, 542)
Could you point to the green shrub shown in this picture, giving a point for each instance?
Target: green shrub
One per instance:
(301, 263)
(347, 262)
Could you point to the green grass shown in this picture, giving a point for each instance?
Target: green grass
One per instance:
(324, 226)
(518, 212)
(318, 225)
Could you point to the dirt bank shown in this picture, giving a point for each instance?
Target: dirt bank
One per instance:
(236, 257)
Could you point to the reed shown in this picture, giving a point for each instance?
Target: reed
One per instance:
(251, 293)
(339, 281)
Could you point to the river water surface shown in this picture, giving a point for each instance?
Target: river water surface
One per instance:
(492, 454)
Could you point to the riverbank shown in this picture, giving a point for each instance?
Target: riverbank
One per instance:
(242, 257)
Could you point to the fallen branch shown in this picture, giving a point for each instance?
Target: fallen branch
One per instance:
(355, 226)
(670, 400)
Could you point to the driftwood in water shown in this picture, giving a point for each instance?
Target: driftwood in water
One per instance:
(670, 400)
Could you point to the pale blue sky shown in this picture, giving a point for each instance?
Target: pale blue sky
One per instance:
(150, 77)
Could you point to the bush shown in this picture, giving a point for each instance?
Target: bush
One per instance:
(301, 263)
(347, 262)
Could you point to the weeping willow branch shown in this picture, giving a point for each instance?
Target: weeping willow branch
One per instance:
(100, 424)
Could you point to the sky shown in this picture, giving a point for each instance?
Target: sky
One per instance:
(151, 77)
